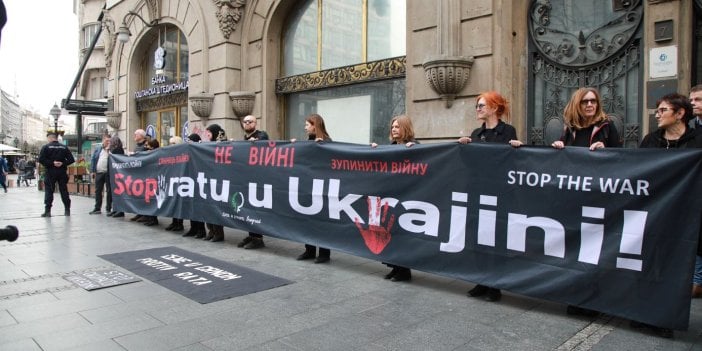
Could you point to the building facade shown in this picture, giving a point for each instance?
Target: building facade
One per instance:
(10, 122)
(34, 127)
(172, 67)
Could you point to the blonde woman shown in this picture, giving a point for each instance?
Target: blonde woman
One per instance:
(401, 133)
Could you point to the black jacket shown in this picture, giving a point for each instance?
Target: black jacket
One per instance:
(55, 151)
(257, 135)
(690, 139)
(502, 133)
(604, 131)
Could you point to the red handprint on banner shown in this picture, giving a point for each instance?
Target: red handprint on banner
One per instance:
(377, 235)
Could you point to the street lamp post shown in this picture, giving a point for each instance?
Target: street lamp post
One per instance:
(55, 112)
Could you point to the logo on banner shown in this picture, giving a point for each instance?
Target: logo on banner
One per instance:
(377, 236)
(237, 201)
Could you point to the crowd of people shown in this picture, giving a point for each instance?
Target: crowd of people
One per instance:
(679, 125)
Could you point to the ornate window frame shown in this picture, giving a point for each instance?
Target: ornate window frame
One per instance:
(364, 72)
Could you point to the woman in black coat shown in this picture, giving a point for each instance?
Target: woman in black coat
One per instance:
(315, 129)
(490, 108)
(673, 112)
(116, 148)
(401, 133)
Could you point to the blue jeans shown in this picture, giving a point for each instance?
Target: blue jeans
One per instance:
(697, 277)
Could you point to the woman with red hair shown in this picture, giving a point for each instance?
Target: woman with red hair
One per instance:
(490, 109)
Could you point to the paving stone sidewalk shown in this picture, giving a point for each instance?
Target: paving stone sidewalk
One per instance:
(343, 305)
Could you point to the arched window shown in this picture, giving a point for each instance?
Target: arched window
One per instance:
(344, 59)
(165, 62)
(577, 44)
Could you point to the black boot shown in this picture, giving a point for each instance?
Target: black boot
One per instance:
(391, 274)
(191, 232)
(255, 243)
(178, 225)
(403, 274)
(210, 232)
(47, 212)
(170, 226)
(310, 252)
(199, 229)
(218, 234)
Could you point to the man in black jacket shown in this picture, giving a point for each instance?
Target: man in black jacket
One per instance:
(55, 157)
(254, 240)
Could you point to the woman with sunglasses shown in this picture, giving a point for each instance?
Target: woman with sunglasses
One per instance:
(490, 109)
(673, 113)
(586, 124)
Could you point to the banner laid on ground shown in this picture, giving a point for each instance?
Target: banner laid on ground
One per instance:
(610, 230)
(93, 279)
(195, 276)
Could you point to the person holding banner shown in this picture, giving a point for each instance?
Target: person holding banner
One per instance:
(99, 167)
(214, 132)
(253, 240)
(116, 148)
(140, 139)
(673, 113)
(490, 108)
(197, 229)
(315, 129)
(401, 133)
(150, 221)
(176, 223)
(586, 124)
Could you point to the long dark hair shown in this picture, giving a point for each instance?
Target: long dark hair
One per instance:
(217, 132)
(320, 131)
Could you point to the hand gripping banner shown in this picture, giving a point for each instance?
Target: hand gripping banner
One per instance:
(612, 230)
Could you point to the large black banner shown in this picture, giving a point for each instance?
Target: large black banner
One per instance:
(611, 230)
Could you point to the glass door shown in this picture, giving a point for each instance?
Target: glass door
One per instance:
(168, 126)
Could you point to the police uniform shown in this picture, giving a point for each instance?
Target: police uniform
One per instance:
(55, 151)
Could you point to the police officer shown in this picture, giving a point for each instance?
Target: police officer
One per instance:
(55, 157)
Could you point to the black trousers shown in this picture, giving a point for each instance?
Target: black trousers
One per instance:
(102, 182)
(52, 178)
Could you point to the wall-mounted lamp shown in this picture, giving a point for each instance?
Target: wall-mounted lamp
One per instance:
(123, 33)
